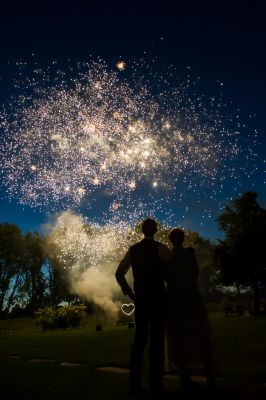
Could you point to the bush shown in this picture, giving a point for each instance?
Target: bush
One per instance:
(75, 313)
(61, 317)
(45, 317)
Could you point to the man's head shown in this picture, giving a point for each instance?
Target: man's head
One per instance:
(149, 227)
(176, 237)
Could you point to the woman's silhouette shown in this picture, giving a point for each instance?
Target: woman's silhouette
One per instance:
(188, 328)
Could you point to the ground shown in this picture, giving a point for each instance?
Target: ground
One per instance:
(64, 364)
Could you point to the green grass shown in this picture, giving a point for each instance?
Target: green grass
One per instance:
(240, 346)
(108, 347)
(29, 323)
(18, 324)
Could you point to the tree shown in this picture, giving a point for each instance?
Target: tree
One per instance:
(33, 263)
(11, 266)
(57, 284)
(241, 256)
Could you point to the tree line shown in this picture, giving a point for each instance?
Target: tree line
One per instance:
(30, 278)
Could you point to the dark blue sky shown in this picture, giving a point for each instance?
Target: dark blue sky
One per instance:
(228, 49)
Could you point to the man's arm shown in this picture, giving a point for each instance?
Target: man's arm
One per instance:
(121, 271)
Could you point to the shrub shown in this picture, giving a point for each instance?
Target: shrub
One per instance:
(75, 313)
(45, 317)
(61, 317)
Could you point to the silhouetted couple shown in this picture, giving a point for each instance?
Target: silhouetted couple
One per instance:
(178, 306)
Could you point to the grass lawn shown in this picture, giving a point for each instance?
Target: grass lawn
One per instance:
(240, 347)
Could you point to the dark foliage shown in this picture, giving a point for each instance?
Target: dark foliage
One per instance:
(241, 257)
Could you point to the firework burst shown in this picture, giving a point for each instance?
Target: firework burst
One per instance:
(67, 139)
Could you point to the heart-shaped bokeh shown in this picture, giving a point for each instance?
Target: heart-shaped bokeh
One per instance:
(128, 309)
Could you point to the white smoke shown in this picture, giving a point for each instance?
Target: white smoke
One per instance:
(89, 255)
(100, 287)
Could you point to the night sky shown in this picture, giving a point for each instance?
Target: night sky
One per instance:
(228, 53)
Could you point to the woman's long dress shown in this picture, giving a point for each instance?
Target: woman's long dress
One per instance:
(188, 328)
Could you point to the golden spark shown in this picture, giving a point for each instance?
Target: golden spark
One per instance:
(121, 65)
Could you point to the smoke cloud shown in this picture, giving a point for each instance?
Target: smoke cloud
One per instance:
(100, 287)
(89, 254)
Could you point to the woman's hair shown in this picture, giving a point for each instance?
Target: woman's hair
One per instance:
(176, 236)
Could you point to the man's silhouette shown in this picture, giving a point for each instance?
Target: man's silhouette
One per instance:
(147, 259)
